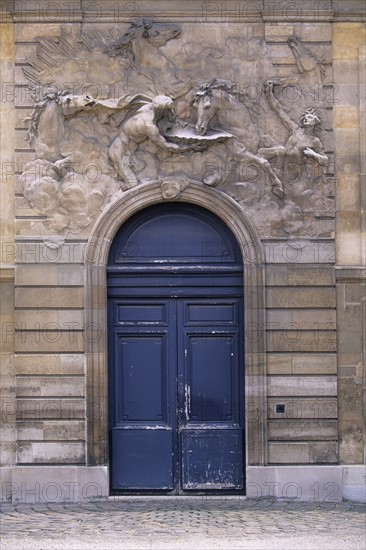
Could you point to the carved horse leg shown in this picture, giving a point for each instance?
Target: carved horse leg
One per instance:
(120, 157)
(240, 153)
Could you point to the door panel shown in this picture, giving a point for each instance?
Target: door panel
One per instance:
(142, 459)
(210, 377)
(212, 459)
(140, 388)
(176, 415)
(211, 433)
(141, 382)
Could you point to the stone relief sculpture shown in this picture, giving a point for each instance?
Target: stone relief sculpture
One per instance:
(149, 122)
(306, 61)
(215, 98)
(47, 129)
(172, 126)
(302, 140)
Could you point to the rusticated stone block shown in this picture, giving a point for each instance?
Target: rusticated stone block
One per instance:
(299, 252)
(302, 386)
(300, 297)
(346, 117)
(350, 398)
(348, 191)
(47, 341)
(301, 408)
(46, 386)
(354, 292)
(60, 297)
(302, 430)
(38, 253)
(324, 453)
(346, 139)
(49, 275)
(351, 440)
(49, 364)
(312, 363)
(50, 409)
(51, 431)
(303, 453)
(347, 38)
(301, 341)
(288, 453)
(301, 319)
(51, 452)
(49, 319)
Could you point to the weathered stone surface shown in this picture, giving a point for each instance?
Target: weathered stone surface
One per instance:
(51, 452)
(351, 395)
(303, 453)
(49, 364)
(47, 386)
(299, 320)
(347, 38)
(49, 275)
(299, 408)
(51, 319)
(326, 453)
(302, 386)
(34, 252)
(7, 317)
(299, 275)
(60, 297)
(302, 430)
(311, 363)
(301, 340)
(47, 341)
(50, 409)
(346, 117)
(351, 438)
(307, 483)
(57, 430)
(348, 192)
(300, 297)
(289, 453)
(57, 484)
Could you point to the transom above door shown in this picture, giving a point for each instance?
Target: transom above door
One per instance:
(176, 382)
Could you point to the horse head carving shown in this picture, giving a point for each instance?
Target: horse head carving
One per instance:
(156, 34)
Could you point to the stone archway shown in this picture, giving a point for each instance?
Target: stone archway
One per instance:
(254, 317)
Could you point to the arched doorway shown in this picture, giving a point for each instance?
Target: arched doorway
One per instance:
(176, 357)
(96, 259)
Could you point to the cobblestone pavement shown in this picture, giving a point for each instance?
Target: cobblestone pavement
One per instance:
(183, 523)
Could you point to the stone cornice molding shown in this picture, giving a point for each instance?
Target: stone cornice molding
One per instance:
(257, 11)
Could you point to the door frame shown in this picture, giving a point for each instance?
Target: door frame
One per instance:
(95, 259)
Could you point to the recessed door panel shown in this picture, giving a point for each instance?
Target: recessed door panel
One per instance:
(210, 375)
(212, 459)
(141, 379)
(142, 459)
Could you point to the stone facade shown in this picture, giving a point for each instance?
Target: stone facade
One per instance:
(254, 112)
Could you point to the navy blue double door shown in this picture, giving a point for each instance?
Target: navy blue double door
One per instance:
(176, 382)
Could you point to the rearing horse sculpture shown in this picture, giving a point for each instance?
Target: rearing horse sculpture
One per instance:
(47, 128)
(140, 44)
(219, 98)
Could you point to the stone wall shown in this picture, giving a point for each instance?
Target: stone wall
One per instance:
(305, 327)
